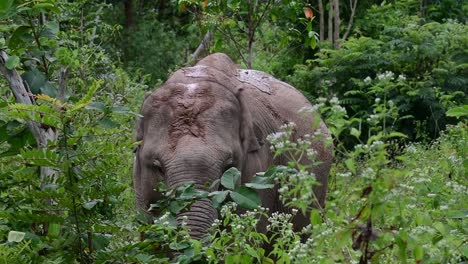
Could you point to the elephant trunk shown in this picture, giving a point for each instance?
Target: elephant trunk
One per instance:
(199, 218)
(201, 214)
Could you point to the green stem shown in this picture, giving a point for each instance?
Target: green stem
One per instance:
(71, 183)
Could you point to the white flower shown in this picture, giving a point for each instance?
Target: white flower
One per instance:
(401, 78)
(388, 75)
(334, 100)
(367, 79)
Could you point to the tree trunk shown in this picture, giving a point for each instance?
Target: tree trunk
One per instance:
(330, 21)
(336, 33)
(322, 20)
(128, 10)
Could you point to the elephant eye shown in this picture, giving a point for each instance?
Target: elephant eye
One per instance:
(157, 165)
(228, 164)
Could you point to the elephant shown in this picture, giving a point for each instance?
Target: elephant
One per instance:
(213, 116)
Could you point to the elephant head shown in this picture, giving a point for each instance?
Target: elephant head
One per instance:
(191, 130)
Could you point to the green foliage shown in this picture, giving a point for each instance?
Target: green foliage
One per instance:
(417, 70)
(155, 48)
(389, 202)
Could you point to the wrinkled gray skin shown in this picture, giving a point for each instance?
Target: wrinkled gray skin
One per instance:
(213, 116)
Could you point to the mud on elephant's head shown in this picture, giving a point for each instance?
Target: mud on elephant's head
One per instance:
(191, 131)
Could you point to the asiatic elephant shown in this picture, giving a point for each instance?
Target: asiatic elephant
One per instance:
(213, 116)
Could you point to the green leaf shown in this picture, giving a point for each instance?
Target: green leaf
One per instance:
(315, 217)
(351, 165)
(440, 227)
(457, 214)
(49, 89)
(218, 198)
(246, 197)
(179, 245)
(96, 106)
(51, 29)
(88, 97)
(356, 133)
(120, 109)
(458, 111)
(5, 5)
(12, 62)
(5, 8)
(230, 178)
(108, 123)
(20, 37)
(38, 157)
(35, 80)
(260, 183)
(397, 135)
(89, 205)
(54, 230)
(418, 253)
(15, 236)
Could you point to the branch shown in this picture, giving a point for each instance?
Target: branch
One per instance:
(203, 47)
(236, 45)
(353, 4)
(22, 96)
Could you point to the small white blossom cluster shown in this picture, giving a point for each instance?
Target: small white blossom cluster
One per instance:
(311, 109)
(368, 80)
(457, 188)
(228, 209)
(344, 174)
(454, 159)
(411, 149)
(401, 78)
(338, 109)
(387, 75)
(373, 118)
(334, 100)
(423, 230)
(369, 173)
(163, 219)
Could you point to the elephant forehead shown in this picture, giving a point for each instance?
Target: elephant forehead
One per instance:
(186, 109)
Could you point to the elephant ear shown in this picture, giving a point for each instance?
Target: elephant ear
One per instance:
(247, 133)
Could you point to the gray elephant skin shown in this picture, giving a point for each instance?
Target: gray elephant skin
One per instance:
(213, 116)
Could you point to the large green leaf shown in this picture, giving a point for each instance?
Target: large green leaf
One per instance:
(20, 36)
(246, 197)
(218, 198)
(230, 178)
(12, 62)
(259, 183)
(35, 80)
(458, 111)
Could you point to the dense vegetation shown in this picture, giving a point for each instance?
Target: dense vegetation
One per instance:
(389, 78)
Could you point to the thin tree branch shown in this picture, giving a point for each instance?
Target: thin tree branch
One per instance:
(353, 4)
(203, 47)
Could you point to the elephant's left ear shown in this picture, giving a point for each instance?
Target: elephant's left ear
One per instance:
(247, 133)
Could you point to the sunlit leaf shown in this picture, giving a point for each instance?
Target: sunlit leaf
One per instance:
(15, 236)
(230, 178)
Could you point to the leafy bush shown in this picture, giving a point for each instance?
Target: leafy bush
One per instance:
(418, 69)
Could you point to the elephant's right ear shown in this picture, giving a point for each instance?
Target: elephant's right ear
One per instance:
(247, 134)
